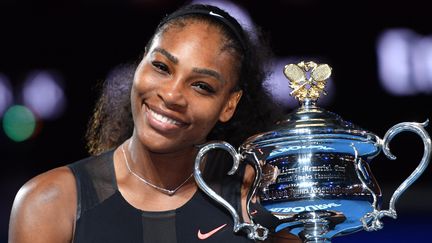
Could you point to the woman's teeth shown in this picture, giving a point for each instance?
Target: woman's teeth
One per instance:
(164, 119)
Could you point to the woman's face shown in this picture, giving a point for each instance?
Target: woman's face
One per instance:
(182, 87)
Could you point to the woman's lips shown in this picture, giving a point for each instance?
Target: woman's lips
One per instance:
(162, 122)
(164, 119)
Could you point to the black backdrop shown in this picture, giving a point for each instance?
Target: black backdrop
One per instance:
(84, 40)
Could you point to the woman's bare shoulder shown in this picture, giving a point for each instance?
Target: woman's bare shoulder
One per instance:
(49, 187)
(45, 205)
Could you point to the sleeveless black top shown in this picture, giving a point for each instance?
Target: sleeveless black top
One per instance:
(104, 216)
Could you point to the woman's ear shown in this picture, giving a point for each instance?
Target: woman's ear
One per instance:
(230, 106)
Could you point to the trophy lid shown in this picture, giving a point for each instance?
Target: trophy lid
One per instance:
(310, 127)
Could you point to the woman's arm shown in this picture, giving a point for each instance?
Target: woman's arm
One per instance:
(44, 209)
(283, 237)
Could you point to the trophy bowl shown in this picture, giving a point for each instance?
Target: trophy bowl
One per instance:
(312, 170)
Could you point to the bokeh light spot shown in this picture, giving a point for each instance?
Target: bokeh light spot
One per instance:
(43, 93)
(6, 96)
(405, 62)
(19, 123)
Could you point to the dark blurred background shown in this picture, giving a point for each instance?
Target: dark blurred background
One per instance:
(53, 55)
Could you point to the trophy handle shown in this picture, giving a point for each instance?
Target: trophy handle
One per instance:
(254, 231)
(417, 128)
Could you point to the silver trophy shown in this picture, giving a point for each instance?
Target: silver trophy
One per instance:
(312, 170)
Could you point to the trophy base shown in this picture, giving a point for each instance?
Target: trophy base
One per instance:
(317, 240)
(316, 225)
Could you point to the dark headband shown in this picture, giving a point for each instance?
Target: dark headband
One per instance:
(237, 31)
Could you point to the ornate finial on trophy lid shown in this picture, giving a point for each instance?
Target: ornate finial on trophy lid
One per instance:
(307, 80)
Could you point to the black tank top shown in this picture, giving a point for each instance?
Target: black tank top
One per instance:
(104, 216)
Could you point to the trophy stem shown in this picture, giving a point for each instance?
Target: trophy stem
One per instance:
(315, 227)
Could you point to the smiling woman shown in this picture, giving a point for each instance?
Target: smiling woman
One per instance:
(200, 79)
(179, 95)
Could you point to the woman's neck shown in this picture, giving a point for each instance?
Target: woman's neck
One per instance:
(167, 170)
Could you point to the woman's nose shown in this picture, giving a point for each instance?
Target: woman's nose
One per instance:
(172, 94)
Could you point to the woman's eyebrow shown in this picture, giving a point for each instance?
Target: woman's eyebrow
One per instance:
(166, 54)
(211, 73)
(204, 71)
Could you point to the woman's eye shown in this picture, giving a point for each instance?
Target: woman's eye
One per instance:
(160, 67)
(204, 87)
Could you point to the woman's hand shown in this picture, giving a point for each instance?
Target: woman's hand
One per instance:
(280, 237)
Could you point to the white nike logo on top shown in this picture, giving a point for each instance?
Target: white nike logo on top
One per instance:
(202, 236)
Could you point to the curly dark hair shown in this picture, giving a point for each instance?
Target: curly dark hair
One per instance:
(112, 122)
